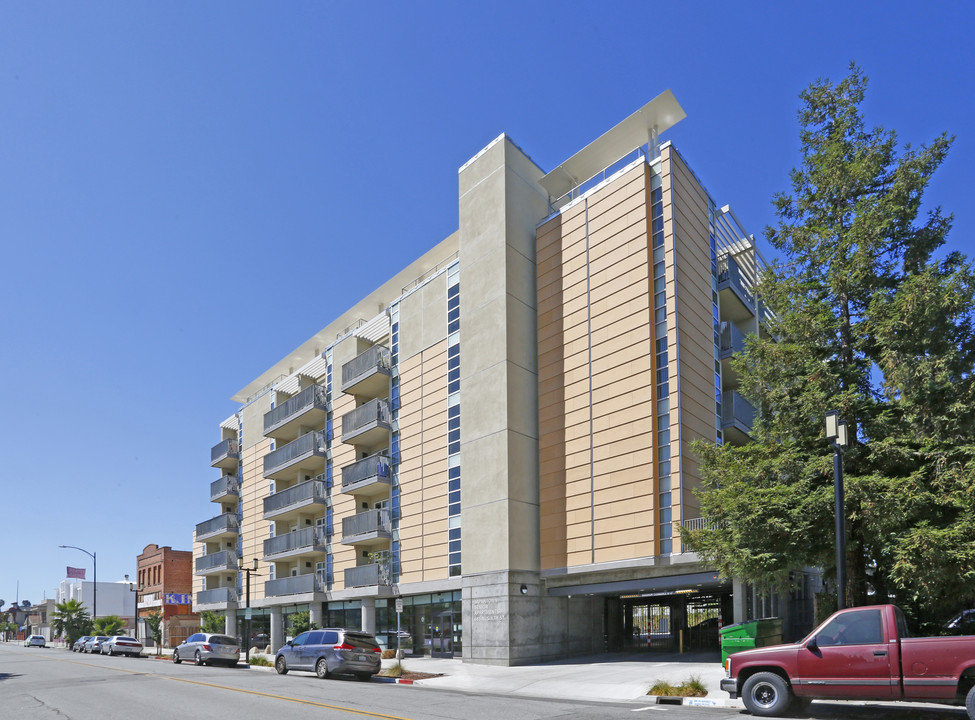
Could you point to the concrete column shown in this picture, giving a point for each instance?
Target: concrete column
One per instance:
(230, 623)
(369, 615)
(277, 628)
(738, 590)
(315, 614)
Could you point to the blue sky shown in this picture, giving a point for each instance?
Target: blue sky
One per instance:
(186, 190)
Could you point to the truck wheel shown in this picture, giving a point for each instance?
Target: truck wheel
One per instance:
(766, 694)
(970, 703)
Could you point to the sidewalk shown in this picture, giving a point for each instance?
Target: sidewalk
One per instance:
(615, 677)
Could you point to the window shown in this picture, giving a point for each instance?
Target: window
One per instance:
(860, 627)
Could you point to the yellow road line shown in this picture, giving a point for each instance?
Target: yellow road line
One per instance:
(240, 690)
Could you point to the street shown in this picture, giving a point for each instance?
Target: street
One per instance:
(48, 683)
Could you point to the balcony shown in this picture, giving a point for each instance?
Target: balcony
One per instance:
(737, 417)
(369, 476)
(368, 575)
(296, 585)
(221, 596)
(222, 561)
(306, 541)
(224, 488)
(306, 409)
(304, 455)
(372, 527)
(295, 500)
(368, 374)
(732, 341)
(368, 424)
(216, 528)
(225, 454)
(737, 300)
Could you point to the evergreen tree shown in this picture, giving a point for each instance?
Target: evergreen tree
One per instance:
(873, 321)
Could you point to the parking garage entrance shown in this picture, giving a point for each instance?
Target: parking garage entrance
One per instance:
(681, 622)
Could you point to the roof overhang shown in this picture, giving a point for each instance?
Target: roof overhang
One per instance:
(658, 115)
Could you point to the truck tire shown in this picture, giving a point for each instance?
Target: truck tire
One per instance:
(970, 703)
(766, 694)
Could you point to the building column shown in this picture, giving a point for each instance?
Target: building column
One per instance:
(315, 614)
(369, 615)
(230, 623)
(277, 628)
(738, 589)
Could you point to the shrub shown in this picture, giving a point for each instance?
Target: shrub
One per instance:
(260, 660)
(692, 687)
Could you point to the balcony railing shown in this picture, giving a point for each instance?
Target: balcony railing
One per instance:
(374, 414)
(372, 523)
(370, 470)
(369, 372)
(731, 276)
(306, 493)
(366, 575)
(732, 340)
(702, 523)
(223, 560)
(226, 523)
(217, 595)
(308, 445)
(737, 411)
(224, 453)
(312, 397)
(226, 485)
(304, 539)
(294, 585)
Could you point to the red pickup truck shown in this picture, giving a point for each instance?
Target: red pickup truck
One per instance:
(857, 654)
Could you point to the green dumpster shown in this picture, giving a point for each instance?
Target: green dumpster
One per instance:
(749, 634)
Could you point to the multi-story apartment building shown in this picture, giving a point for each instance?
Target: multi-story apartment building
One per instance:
(499, 436)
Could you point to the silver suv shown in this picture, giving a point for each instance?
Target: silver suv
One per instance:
(208, 649)
(331, 651)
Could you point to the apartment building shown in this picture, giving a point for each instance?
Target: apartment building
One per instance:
(497, 439)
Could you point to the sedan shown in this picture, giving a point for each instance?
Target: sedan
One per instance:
(34, 641)
(122, 645)
(94, 643)
(208, 649)
(79, 644)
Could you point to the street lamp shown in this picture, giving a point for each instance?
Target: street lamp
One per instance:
(836, 434)
(94, 572)
(247, 610)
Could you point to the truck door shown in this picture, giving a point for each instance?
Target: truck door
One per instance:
(848, 658)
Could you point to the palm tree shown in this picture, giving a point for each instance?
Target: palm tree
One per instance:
(71, 620)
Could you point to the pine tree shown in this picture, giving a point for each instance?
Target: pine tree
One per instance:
(872, 319)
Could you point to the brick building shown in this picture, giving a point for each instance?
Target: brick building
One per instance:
(165, 585)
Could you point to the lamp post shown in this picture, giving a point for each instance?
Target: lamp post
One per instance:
(94, 573)
(836, 434)
(247, 610)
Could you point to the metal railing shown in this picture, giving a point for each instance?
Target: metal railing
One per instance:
(225, 522)
(222, 559)
(294, 585)
(735, 408)
(366, 575)
(312, 396)
(702, 523)
(732, 340)
(729, 272)
(371, 521)
(373, 466)
(313, 442)
(217, 595)
(304, 538)
(588, 184)
(226, 485)
(374, 411)
(374, 359)
(308, 491)
(224, 448)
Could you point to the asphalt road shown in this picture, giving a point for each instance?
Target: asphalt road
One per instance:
(54, 684)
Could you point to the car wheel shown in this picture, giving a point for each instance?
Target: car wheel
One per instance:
(281, 666)
(766, 694)
(176, 657)
(321, 668)
(111, 651)
(970, 703)
(198, 659)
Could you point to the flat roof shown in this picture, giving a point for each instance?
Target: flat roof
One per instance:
(658, 115)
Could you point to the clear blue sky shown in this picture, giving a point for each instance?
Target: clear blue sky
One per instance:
(187, 188)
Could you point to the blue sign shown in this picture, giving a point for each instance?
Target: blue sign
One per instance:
(177, 599)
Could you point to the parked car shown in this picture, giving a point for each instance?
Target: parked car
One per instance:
(208, 649)
(122, 645)
(331, 651)
(34, 641)
(94, 643)
(79, 644)
(861, 653)
(961, 624)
